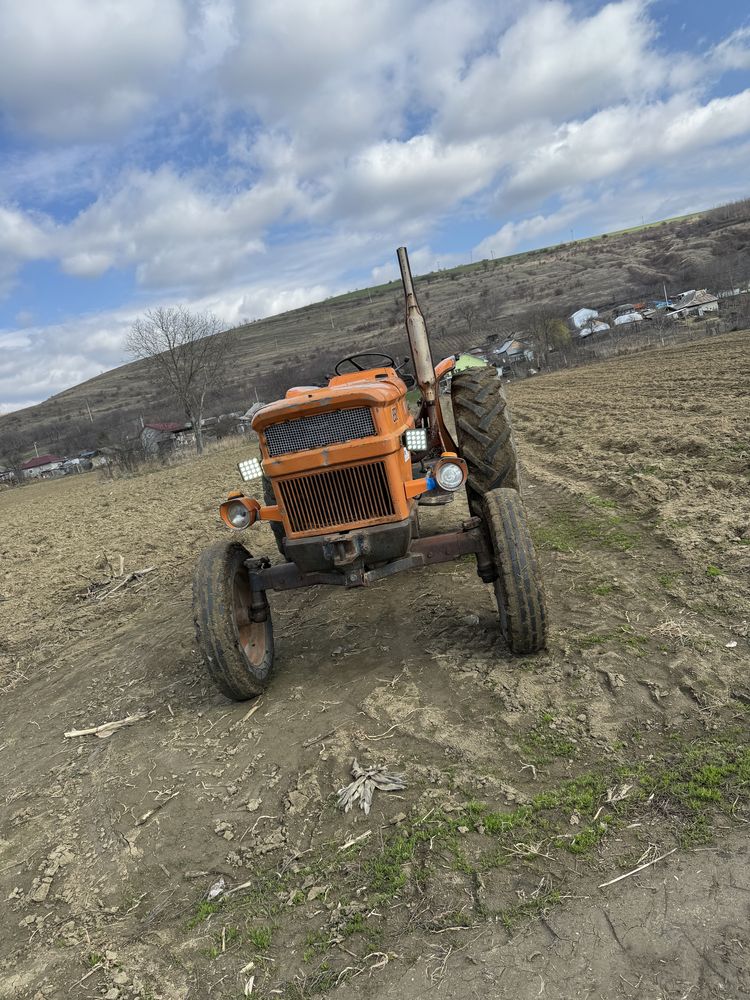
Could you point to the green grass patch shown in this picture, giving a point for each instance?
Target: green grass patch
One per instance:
(623, 634)
(596, 501)
(544, 743)
(669, 579)
(713, 571)
(565, 533)
(203, 912)
(260, 938)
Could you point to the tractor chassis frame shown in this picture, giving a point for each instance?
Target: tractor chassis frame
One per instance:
(425, 551)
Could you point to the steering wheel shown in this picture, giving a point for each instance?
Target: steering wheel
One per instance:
(352, 360)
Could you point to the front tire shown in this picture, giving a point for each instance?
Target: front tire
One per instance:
(518, 588)
(237, 651)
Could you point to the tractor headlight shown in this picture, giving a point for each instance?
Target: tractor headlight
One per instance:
(250, 469)
(238, 514)
(415, 439)
(449, 476)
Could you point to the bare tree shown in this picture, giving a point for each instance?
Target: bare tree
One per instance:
(186, 353)
(546, 331)
(469, 312)
(13, 447)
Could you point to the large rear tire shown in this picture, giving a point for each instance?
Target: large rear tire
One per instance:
(485, 435)
(237, 651)
(518, 588)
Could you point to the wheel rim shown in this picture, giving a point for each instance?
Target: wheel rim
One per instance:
(252, 636)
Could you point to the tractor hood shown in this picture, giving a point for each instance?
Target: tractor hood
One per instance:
(375, 387)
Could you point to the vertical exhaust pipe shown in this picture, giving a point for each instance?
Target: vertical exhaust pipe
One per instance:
(419, 342)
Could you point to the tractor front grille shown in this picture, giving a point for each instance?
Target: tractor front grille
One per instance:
(319, 430)
(337, 497)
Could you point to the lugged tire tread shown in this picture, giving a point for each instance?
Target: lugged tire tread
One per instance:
(484, 431)
(519, 589)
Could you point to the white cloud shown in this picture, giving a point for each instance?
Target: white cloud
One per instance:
(733, 52)
(175, 230)
(75, 69)
(551, 64)
(403, 180)
(252, 156)
(21, 236)
(21, 239)
(626, 137)
(512, 235)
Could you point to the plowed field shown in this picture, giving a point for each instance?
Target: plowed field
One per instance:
(530, 782)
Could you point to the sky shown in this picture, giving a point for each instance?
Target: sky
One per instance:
(247, 157)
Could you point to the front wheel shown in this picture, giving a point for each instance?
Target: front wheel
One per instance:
(237, 651)
(518, 588)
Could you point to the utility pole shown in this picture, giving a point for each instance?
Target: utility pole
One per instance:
(88, 408)
(330, 316)
(36, 450)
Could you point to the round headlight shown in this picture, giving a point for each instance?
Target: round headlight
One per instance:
(449, 476)
(238, 514)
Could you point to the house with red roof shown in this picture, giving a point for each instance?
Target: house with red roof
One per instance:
(41, 465)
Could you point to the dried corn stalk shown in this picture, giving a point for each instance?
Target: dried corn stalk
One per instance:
(366, 780)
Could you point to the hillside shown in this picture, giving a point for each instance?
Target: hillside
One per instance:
(461, 305)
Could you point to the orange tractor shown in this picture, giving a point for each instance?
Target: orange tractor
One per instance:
(343, 471)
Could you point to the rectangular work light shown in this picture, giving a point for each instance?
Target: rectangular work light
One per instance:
(415, 439)
(250, 469)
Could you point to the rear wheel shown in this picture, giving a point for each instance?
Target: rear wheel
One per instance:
(484, 432)
(237, 651)
(518, 588)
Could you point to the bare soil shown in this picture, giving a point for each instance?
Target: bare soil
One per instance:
(483, 877)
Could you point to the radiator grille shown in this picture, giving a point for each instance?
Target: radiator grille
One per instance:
(319, 430)
(337, 497)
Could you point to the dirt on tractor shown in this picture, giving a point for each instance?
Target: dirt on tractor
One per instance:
(198, 850)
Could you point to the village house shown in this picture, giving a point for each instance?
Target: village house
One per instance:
(511, 352)
(695, 302)
(582, 317)
(628, 317)
(40, 466)
(166, 436)
(592, 325)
